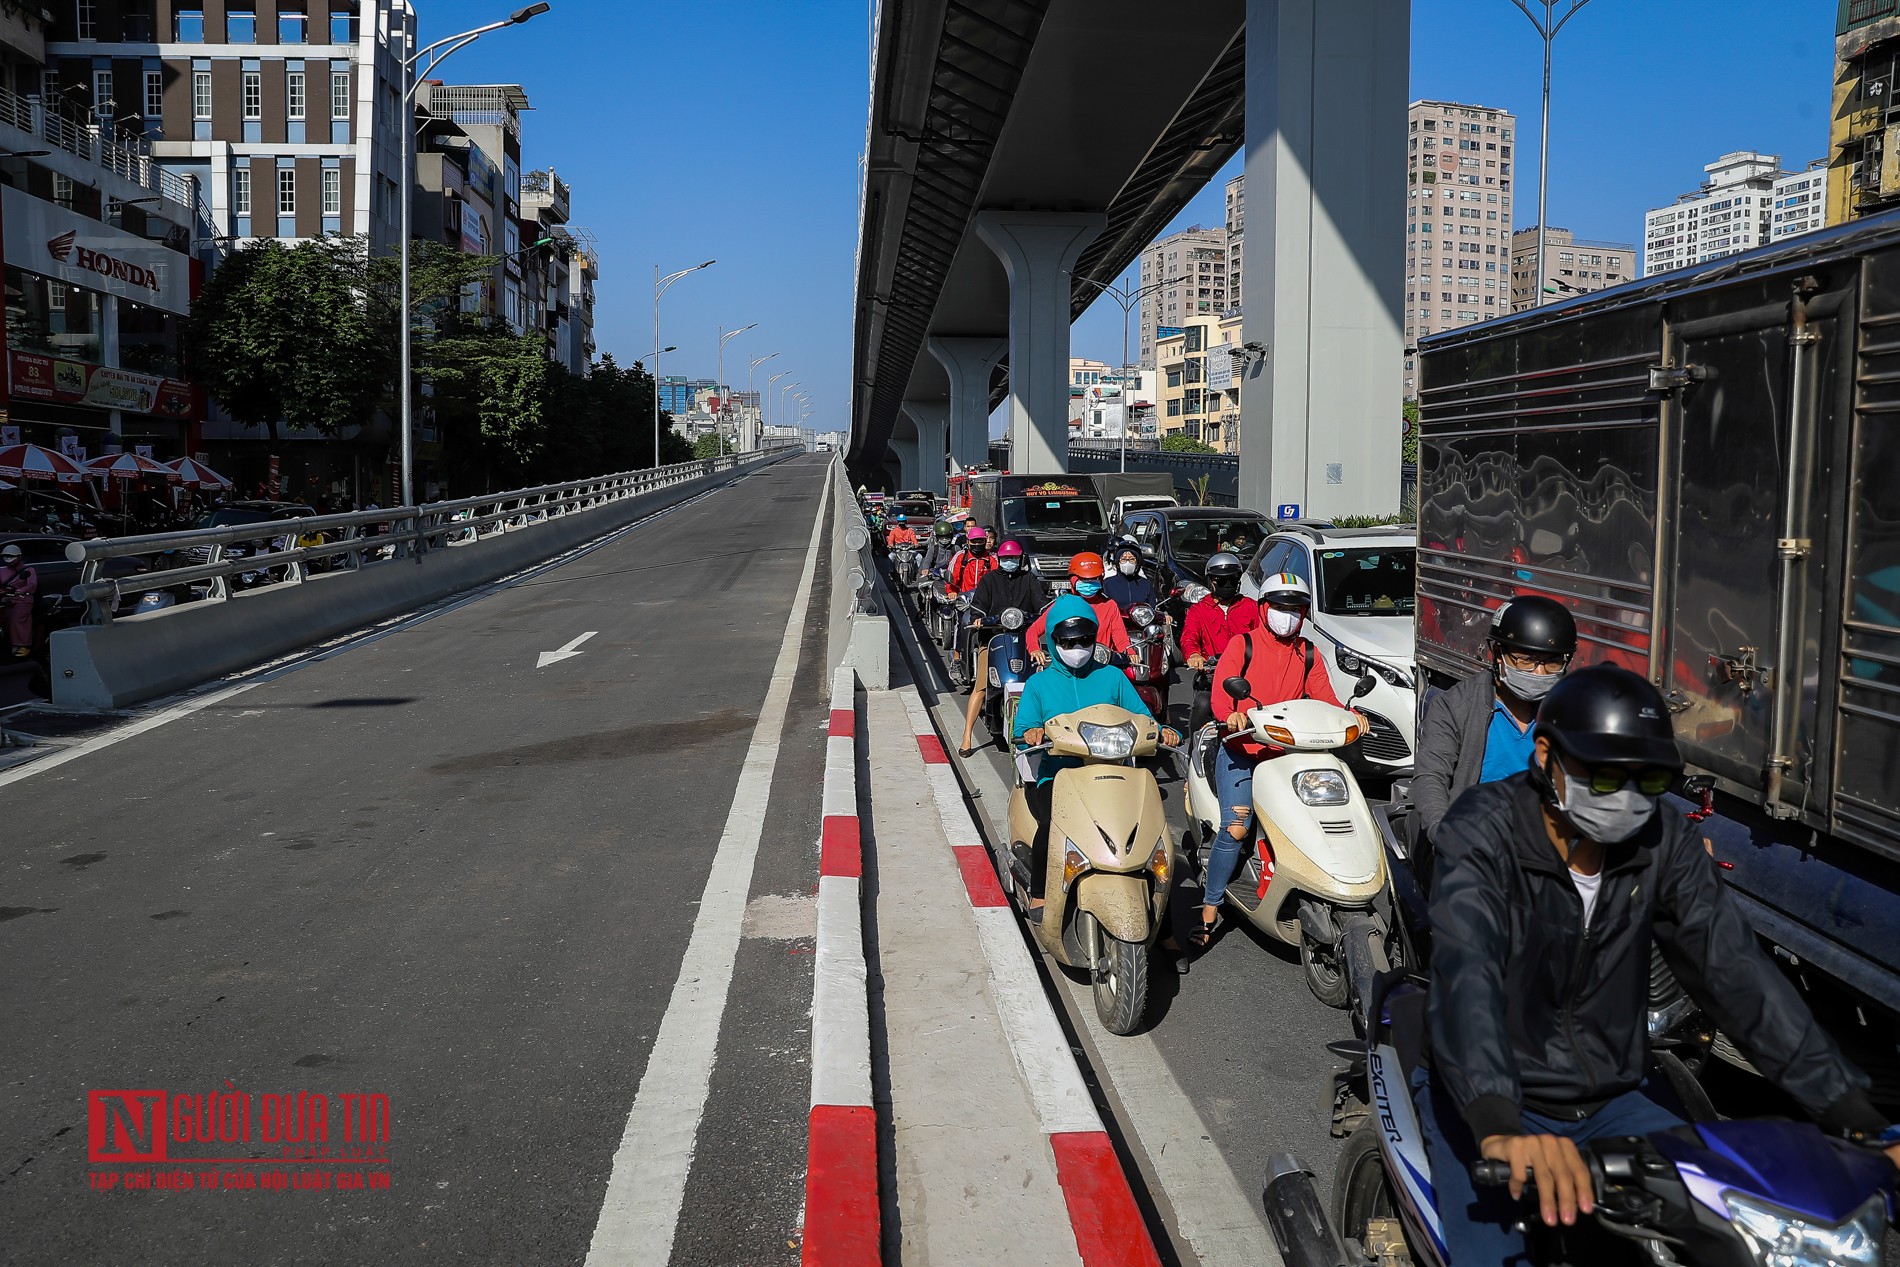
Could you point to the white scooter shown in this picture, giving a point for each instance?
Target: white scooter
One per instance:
(1314, 874)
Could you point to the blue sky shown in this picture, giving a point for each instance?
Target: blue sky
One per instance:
(732, 130)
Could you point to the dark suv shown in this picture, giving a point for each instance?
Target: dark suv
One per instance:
(1177, 542)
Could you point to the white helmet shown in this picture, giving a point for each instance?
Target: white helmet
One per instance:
(1285, 589)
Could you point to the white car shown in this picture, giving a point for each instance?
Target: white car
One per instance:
(1364, 594)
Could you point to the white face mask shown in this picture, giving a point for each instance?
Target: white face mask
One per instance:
(1527, 686)
(1283, 624)
(1127, 567)
(1605, 817)
(1076, 657)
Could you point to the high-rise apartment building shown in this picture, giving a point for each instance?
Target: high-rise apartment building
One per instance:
(1864, 119)
(1799, 202)
(1728, 215)
(1236, 236)
(1457, 219)
(1575, 266)
(1193, 264)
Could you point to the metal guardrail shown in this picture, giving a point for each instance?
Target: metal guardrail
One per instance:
(857, 542)
(398, 532)
(92, 143)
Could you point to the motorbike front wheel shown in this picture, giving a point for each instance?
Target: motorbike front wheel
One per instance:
(1121, 985)
(1325, 975)
(1362, 1195)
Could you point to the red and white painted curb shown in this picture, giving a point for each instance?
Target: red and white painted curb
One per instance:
(1109, 1230)
(841, 1196)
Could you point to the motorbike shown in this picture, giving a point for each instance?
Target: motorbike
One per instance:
(1314, 875)
(1148, 657)
(1009, 670)
(1110, 861)
(1742, 1193)
(904, 565)
(942, 617)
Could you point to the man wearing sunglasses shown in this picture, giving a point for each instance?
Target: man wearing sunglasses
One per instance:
(1551, 885)
(1479, 731)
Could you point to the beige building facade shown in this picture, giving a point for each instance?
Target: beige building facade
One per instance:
(1197, 387)
(1459, 184)
(1576, 267)
(1193, 266)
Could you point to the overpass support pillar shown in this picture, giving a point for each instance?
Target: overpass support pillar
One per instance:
(1038, 249)
(932, 421)
(908, 473)
(1323, 290)
(970, 362)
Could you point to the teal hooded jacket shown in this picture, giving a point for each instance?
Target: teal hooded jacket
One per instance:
(1059, 689)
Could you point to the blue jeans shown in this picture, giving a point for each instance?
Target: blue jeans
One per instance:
(1481, 1227)
(1233, 785)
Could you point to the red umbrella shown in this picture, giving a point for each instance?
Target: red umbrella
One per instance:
(36, 462)
(196, 474)
(131, 466)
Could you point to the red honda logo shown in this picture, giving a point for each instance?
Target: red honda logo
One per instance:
(62, 246)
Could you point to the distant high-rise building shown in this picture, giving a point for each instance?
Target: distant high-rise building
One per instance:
(1576, 266)
(1457, 219)
(1193, 263)
(1863, 174)
(1728, 215)
(1799, 202)
(1236, 236)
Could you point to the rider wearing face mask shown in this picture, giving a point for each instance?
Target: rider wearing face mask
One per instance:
(1480, 730)
(1012, 584)
(1076, 677)
(1550, 886)
(1126, 584)
(1212, 623)
(1086, 575)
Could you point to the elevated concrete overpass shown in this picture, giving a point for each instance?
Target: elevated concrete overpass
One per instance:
(1021, 152)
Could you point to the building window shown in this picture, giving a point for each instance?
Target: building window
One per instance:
(240, 28)
(241, 191)
(88, 19)
(292, 28)
(102, 102)
(49, 86)
(332, 192)
(154, 93)
(294, 93)
(201, 94)
(339, 94)
(253, 95)
(286, 191)
(342, 28)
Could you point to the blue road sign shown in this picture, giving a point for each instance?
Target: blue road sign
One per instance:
(1289, 510)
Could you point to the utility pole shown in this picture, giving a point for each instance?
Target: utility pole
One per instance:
(1547, 27)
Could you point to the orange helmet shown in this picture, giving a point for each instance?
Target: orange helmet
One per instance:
(1087, 566)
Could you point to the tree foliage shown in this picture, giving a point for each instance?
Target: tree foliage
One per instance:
(1409, 446)
(706, 447)
(1181, 442)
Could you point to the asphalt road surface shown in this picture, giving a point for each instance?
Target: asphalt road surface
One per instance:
(426, 869)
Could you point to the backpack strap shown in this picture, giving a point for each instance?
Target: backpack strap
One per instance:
(1307, 643)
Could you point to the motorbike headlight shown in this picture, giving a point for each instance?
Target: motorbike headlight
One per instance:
(1109, 743)
(1012, 618)
(1348, 662)
(1779, 1238)
(1141, 615)
(1193, 593)
(1321, 787)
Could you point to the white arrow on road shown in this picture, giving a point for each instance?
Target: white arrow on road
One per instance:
(565, 653)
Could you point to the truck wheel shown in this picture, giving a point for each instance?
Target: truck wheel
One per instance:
(1325, 975)
(1121, 984)
(1362, 1194)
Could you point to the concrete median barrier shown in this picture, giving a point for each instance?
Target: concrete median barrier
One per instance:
(138, 658)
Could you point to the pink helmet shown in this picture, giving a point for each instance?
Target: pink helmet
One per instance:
(977, 534)
(1010, 550)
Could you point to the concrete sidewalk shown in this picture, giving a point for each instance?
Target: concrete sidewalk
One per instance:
(976, 1177)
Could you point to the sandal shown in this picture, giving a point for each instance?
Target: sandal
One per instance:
(1201, 935)
(966, 752)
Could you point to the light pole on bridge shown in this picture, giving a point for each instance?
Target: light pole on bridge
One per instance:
(660, 285)
(718, 419)
(1127, 299)
(1547, 26)
(760, 420)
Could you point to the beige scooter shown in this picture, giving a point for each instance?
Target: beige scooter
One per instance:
(1111, 858)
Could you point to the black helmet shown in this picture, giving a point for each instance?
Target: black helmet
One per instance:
(1074, 629)
(1536, 624)
(1223, 564)
(1124, 547)
(1605, 715)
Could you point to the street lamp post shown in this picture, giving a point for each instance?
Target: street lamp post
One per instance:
(768, 395)
(406, 159)
(660, 285)
(725, 334)
(752, 426)
(1127, 299)
(782, 393)
(1547, 26)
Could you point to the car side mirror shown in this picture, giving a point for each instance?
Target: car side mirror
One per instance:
(1367, 681)
(1237, 688)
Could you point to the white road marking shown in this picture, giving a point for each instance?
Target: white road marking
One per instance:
(648, 1184)
(567, 652)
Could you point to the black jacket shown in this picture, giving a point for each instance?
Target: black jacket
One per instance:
(1526, 1010)
(1000, 590)
(1451, 738)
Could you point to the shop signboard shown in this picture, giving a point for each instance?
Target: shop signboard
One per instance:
(44, 238)
(37, 377)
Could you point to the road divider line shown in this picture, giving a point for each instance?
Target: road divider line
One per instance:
(842, 1217)
(640, 1212)
(1108, 1226)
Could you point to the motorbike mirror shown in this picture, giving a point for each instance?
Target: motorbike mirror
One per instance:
(1237, 688)
(1367, 681)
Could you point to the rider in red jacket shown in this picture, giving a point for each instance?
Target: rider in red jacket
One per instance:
(1085, 579)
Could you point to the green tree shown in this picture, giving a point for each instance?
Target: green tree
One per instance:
(1409, 446)
(283, 334)
(707, 446)
(1181, 442)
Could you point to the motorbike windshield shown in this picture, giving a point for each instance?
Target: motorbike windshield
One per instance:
(1053, 516)
(1367, 581)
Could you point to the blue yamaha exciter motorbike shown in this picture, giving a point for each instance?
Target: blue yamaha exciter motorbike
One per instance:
(1752, 1193)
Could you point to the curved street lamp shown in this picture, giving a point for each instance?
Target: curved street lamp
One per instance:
(660, 286)
(1127, 299)
(724, 336)
(752, 427)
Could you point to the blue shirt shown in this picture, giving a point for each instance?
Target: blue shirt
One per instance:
(1507, 750)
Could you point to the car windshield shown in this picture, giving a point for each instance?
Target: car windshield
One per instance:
(228, 516)
(1369, 581)
(1199, 538)
(1053, 515)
